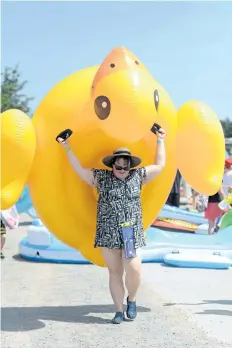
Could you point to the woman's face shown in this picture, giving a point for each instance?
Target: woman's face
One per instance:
(121, 168)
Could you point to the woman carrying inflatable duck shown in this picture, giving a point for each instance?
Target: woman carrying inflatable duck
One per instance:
(119, 216)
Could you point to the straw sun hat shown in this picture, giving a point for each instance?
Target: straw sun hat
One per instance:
(121, 152)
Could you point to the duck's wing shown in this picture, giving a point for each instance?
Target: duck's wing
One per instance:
(18, 144)
(200, 147)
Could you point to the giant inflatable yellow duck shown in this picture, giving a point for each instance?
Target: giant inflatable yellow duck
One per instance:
(107, 106)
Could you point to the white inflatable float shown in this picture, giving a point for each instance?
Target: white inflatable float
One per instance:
(197, 259)
(40, 245)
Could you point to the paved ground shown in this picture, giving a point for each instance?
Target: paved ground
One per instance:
(57, 306)
(204, 295)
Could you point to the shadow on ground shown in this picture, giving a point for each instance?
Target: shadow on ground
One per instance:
(207, 311)
(216, 312)
(16, 319)
(19, 258)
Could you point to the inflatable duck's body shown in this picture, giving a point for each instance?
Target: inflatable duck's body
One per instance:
(107, 106)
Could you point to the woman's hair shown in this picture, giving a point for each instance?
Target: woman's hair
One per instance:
(126, 158)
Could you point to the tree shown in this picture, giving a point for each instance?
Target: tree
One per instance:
(11, 91)
(227, 127)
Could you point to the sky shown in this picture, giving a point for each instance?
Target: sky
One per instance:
(187, 46)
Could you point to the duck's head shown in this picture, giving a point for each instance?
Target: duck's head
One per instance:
(125, 97)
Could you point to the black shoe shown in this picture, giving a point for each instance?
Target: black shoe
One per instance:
(131, 311)
(2, 256)
(118, 318)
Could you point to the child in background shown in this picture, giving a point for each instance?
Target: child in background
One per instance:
(197, 201)
(10, 219)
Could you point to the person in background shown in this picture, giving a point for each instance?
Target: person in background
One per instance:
(197, 201)
(3, 238)
(174, 196)
(9, 219)
(227, 178)
(194, 198)
(213, 212)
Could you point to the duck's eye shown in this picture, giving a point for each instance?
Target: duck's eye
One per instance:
(156, 99)
(102, 107)
(112, 65)
(136, 62)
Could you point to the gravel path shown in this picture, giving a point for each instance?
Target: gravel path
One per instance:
(67, 306)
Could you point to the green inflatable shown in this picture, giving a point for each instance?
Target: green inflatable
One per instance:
(226, 220)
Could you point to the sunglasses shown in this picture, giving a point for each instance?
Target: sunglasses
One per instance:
(117, 167)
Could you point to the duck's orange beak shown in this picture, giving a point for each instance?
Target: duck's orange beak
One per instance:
(118, 59)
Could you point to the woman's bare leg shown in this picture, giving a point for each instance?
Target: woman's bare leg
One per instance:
(212, 224)
(3, 240)
(133, 279)
(133, 276)
(113, 260)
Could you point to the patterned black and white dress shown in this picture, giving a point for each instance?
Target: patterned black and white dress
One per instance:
(119, 202)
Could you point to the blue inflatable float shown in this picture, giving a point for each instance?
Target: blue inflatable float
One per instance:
(198, 250)
(40, 245)
(183, 215)
(24, 204)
